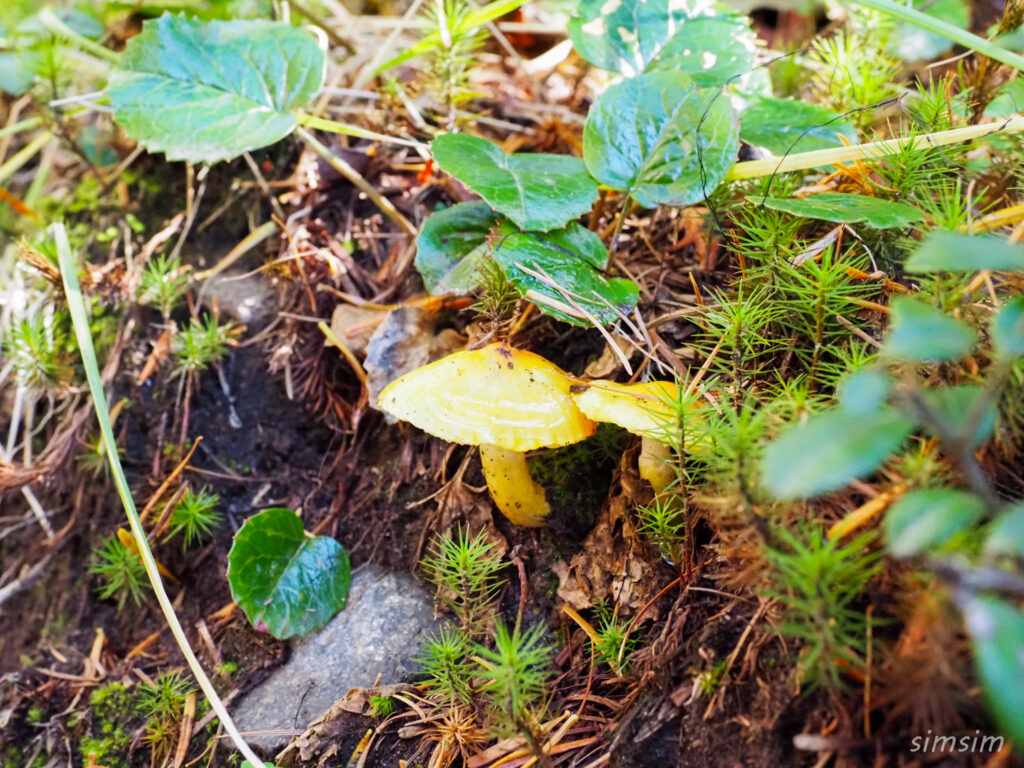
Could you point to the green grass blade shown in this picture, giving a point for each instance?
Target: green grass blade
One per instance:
(80, 319)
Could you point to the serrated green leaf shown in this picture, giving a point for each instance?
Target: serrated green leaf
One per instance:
(1007, 329)
(537, 191)
(921, 333)
(286, 582)
(452, 244)
(956, 404)
(709, 42)
(830, 450)
(573, 258)
(205, 92)
(785, 126)
(925, 520)
(997, 635)
(842, 207)
(1006, 536)
(661, 139)
(864, 391)
(956, 252)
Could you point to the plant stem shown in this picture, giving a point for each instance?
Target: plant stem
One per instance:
(22, 125)
(358, 181)
(76, 306)
(49, 20)
(958, 445)
(948, 31)
(333, 126)
(25, 154)
(753, 169)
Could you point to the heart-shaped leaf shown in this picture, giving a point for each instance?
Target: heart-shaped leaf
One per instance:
(830, 450)
(571, 258)
(956, 252)
(451, 246)
(538, 192)
(204, 92)
(925, 520)
(661, 139)
(784, 126)
(842, 207)
(286, 581)
(707, 41)
(921, 333)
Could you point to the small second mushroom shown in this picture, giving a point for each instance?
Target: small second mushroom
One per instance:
(643, 409)
(507, 401)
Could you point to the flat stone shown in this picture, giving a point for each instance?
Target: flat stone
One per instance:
(379, 631)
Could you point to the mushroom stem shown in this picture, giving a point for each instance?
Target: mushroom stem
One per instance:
(518, 497)
(655, 464)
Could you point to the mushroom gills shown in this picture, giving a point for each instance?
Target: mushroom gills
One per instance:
(515, 492)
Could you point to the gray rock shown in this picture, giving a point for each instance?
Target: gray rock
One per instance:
(378, 632)
(246, 298)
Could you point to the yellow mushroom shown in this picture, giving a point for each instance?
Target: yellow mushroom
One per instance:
(643, 409)
(507, 401)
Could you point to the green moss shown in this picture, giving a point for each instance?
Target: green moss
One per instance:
(114, 710)
(576, 478)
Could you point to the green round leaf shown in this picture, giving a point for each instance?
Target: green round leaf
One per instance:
(864, 391)
(538, 192)
(661, 139)
(842, 207)
(18, 71)
(1007, 329)
(707, 41)
(451, 245)
(573, 258)
(956, 252)
(287, 582)
(784, 126)
(921, 333)
(204, 92)
(830, 450)
(956, 404)
(925, 520)
(997, 634)
(1006, 536)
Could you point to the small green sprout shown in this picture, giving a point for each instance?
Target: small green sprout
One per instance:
(194, 516)
(201, 344)
(382, 706)
(518, 672)
(120, 570)
(464, 570)
(163, 284)
(443, 662)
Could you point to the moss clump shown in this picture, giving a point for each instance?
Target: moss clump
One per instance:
(114, 717)
(576, 478)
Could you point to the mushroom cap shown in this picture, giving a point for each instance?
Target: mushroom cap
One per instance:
(643, 409)
(494, 395)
